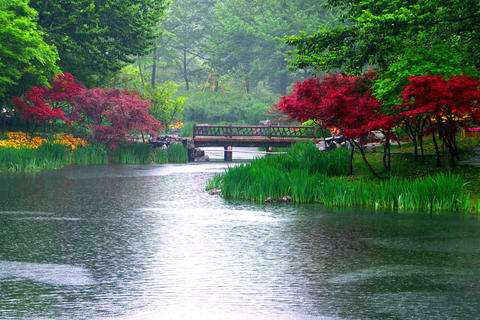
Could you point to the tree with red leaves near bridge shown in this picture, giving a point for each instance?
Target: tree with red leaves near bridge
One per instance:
(114, 114)
(342, 102)
(446, 104)
(111, 115)
(42, 105)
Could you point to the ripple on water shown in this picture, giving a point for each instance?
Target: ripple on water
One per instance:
(48, 219)
(440, 244)
(47, 273)
(30, 213)
(400, 271)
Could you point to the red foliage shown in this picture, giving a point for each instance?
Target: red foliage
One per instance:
(456, 100)
(338, 101)
(65, 88)
(40, 104)
(112, 114)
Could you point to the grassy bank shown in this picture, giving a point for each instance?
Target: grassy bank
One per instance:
(309, 176)
(51, 156)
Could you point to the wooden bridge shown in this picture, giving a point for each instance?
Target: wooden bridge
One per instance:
(230, 136)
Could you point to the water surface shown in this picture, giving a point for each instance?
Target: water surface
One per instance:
(146, 242)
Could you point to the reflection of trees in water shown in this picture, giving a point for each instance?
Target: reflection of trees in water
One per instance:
(293, 259)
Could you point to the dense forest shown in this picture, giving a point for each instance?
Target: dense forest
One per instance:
(229, 61)
(196, 60)
(228, 58)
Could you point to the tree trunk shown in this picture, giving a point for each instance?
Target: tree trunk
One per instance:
(389, 161)
(455, 145)
(153, 80)
(247, 86)
(352, 152)
(386, 153)
(369, 166)
(185, 70)
(413, 137)
(420, 139)
(435, 144)
(140, 71)
(451, 151)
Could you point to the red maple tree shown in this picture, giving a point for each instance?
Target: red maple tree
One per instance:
(342, 102)
(111, 114)
(42, 104)
(114, 114)
(445, 104)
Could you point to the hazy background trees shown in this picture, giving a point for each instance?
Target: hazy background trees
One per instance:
(230, 60)
(229, 56)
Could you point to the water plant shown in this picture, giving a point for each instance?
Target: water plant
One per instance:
(177, 153)
(139, 153)
(310, 178)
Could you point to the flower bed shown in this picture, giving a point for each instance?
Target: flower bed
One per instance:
(19, 140)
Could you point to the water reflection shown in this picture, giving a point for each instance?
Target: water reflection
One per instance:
(145, 242)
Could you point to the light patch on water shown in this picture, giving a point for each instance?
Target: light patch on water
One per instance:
(397, 271)
(440, 244)
(198, 312)
(22, 212)
(130, 171)
(53, 274)
(218, 215)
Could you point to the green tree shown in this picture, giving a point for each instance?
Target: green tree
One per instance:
(256, 30)
(167, 104)
(377, 32)
(25, 58)
(182, 43)
(397, 38)
(97, 37)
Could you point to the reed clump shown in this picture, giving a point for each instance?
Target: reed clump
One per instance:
(139, 153)
(51, 155)
(309, 176)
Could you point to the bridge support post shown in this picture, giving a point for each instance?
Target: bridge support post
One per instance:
(228, 154)
(268, 150)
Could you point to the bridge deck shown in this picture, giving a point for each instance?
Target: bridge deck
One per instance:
(246, 141)
(251, 136)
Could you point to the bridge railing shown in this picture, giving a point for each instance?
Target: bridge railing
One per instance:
(230, 131)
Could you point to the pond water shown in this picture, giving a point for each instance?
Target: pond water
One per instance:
(146, 242)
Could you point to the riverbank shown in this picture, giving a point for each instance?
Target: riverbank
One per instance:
(19, 154)
(305, 175)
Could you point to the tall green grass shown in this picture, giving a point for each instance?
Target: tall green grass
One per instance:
(50, 156)
(47, 157)
(134, 153)
(137, 153)
(93, 154)
(177, 153)
(311, 178)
